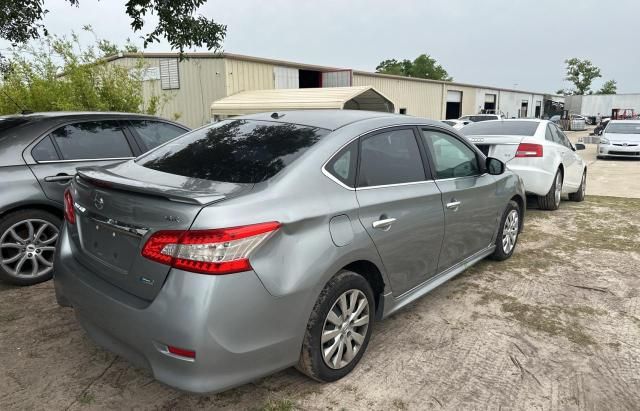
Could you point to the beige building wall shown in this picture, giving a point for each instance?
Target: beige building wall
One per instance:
(202, 81)
(420, 98)
(469, 99)
(247, 75)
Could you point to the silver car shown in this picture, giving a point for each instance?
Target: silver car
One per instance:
(275, 240)
(621, 138)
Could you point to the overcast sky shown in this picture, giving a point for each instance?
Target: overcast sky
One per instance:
(503, 43)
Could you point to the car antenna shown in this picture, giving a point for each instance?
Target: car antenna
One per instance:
(22, 109)
(276, 115)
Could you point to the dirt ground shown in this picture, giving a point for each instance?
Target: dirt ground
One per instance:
(555, 327)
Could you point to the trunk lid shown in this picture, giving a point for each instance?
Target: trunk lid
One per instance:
(501, 147)
(119, 207)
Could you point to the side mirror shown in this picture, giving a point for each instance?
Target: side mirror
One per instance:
(579, 146)
(494, 166)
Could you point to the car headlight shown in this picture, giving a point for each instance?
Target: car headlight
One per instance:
(604, 141)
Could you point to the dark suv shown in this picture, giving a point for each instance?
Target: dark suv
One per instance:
(39, 154)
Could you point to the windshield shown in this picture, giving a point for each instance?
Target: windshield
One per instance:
(501, 128)
(622, 128)
(234, 151)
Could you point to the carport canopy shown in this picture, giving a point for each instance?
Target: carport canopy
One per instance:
(257, 101)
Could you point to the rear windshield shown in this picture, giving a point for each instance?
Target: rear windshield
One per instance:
(501, 128)
(482, 118)
(622, 128)
(234, 151)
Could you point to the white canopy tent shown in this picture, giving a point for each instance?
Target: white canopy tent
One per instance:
(257, 101)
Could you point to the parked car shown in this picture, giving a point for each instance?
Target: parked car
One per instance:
(456, 124)
(621, 138)
(539, 152)
(39, 154)
(481, 117)
(273, 240)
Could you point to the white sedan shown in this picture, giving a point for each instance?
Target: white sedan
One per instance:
(539, 152)
(621, 138)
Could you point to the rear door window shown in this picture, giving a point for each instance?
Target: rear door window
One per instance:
(451, 156)
(390, 157)
(154, 133)
(234, 151)
(92, 140)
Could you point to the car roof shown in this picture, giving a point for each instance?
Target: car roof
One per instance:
(624, 121)
(331, 119)
(63, 114)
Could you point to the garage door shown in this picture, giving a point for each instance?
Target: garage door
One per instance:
(454, 96)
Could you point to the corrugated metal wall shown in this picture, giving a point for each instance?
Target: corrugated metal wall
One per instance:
(591, 105)
(420, 98)
(248, 75)
(201, 82)
(286, 77)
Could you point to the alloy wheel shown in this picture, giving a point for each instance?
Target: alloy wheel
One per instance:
(510, 231)
(345, 329)
(558, 192)
(27, 248)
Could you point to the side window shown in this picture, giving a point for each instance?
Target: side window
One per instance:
(390, 157)
(555, 133)
(154, 133)
(451, 156)
(343, 165)
(548, 135)
(92, 140)
(563, 138)
(44, 151)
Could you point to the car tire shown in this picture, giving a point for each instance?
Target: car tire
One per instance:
(551, 201)
(579, 195)
(27, 246)
(507, 238)
(326, 368)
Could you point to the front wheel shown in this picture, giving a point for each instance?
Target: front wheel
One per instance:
(508, 234)
(551, 201)
(582, 190)
(339, 328)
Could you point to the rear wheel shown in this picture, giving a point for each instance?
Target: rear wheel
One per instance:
(339, 328)
(508, 234)
(582, 190)
(27, 245)
(551, 201)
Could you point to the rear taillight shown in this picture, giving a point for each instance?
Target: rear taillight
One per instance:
(529, 150)
(69, 211)
(217, 251)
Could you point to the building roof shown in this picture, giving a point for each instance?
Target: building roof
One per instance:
(256, 101)
(304, 66)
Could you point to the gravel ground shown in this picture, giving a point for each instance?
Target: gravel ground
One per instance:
(555, 327)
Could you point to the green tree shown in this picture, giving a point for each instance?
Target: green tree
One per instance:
(424, 66)
(609, 87)
(57, 73)
(21, 21)
(581, 73)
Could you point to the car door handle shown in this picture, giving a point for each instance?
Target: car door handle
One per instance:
(58, 179)
(454, 205)
(384, 224)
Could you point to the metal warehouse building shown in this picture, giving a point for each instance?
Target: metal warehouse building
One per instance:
(191, 87)
(594, 104)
